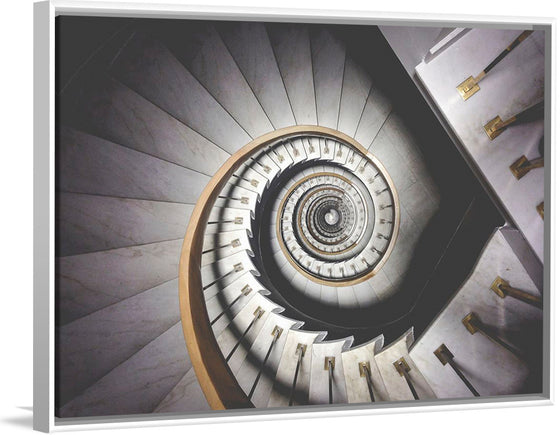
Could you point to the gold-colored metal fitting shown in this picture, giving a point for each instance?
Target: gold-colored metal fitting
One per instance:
(244, 200)
(468, 88)
(296, 152)
(238, 267)
(443, 354)
(326, 150)
(238, 221)
(329, 360)
(494, 127)
(280, 158)
(267, 169)
(301, 348)
(235, 243)
(246, 290)
(401, 366)
(540, 209)
(471, 322)
(277, 332)
(496, 286)
(311, 148)
(522, 166)
(254, 182)
(258, 312)
(365, 368)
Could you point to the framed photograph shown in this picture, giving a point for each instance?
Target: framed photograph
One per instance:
(263, 213)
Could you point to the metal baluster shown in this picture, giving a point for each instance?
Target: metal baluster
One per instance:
(470, 86)
(329, 365)
(257, 315)
(276, 333)
(300, 352)
(244, 292)
(234, 244)
(365, 372)
(403, 368)
(474, 325)
(502, 288)
(445, 356)
(236, 268)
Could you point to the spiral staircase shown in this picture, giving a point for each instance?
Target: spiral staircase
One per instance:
(317, 233)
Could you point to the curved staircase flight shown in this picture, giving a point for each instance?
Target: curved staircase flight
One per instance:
(306, 194)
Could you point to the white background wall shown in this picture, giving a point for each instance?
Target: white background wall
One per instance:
(16, 243)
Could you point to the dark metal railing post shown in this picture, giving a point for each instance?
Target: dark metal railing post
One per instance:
(474, 325)
(470, 86)
(257, 315)
(403, 368)
(365, 372)
(329, 365)
(446, 357)
(276, 333)
(300, 352)
(502, 288)
(244, 292)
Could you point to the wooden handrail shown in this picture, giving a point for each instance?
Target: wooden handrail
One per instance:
(214, 375)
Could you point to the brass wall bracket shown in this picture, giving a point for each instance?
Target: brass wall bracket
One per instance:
(365, 368)
(238, 267)
(258, 313)
(443, 354)
(329, 360)
(277, 332)
(235, 243)
(303, 348)
(496, 286)
(246, 290)
(468, 88)
(522, 166)
(540, 209)
(401, 366)
(494, 127)
(471, 322)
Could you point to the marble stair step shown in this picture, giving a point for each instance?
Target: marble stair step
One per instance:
(94, 345)
(222, 307)
(140, 383)
(113, 111)
(282, 389)
(253, 366)
(226, 270)
(356, 382)
(293, 54)
(207, 57)
(356, 88)
(88, 164)
(149, 68)
(90, 282)
(221, 245)
(89, 223)
(250, 46)
(328, 55)
(319, 379)
(396, 385)
(234, 195)
(224, 219)
(236, 340)
(186, 396)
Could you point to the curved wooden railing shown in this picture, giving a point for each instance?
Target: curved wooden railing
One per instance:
(214, 375)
